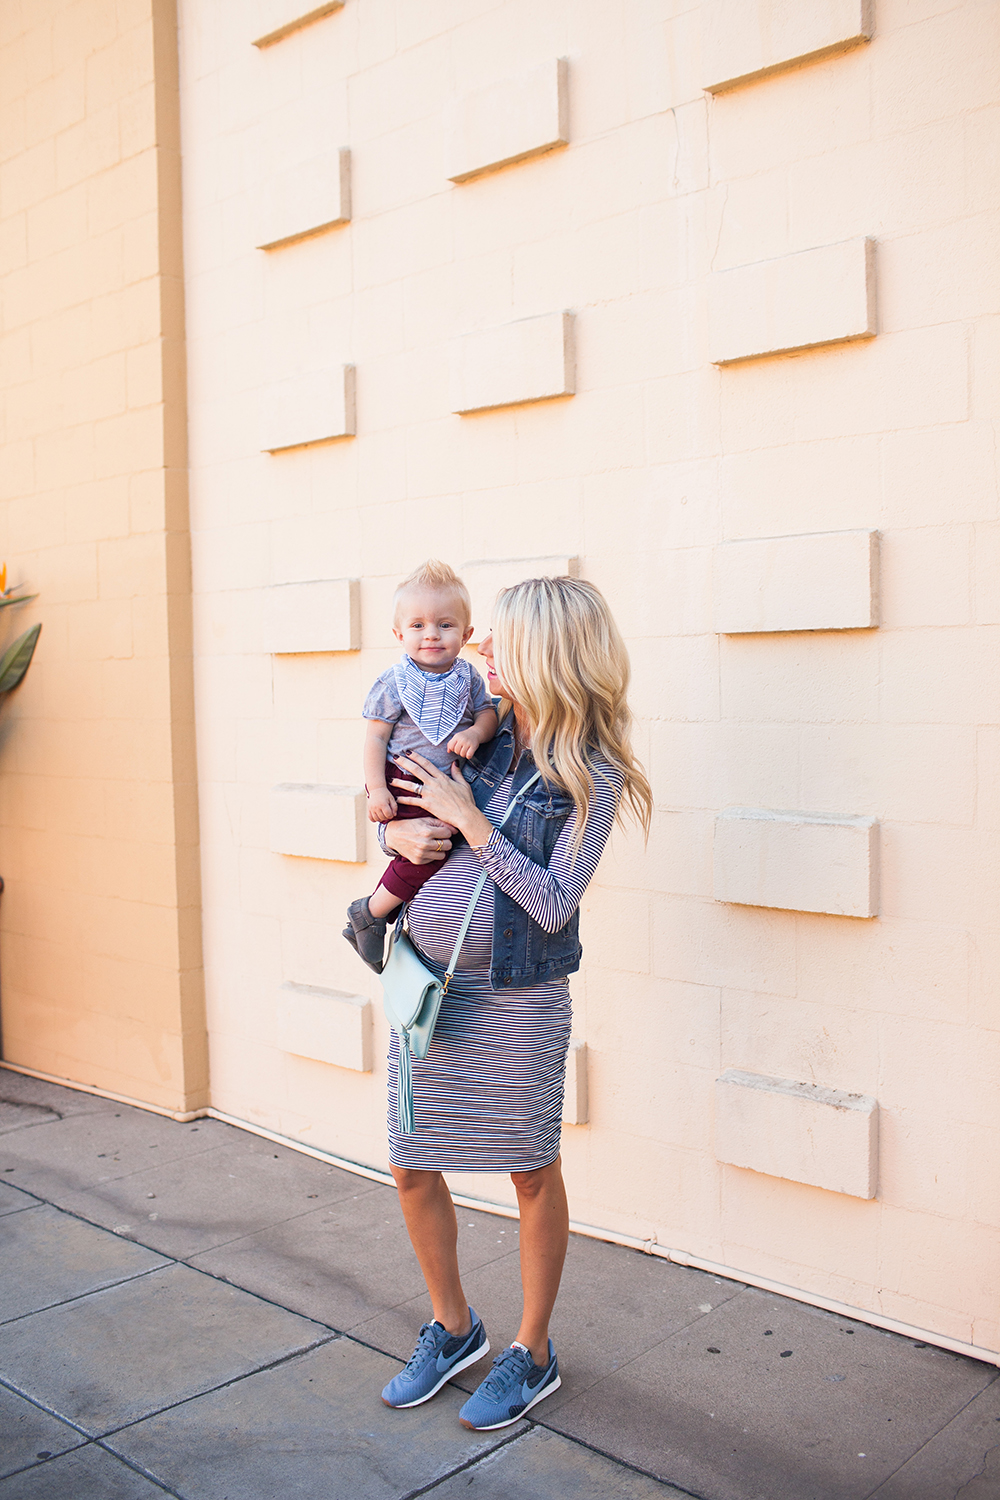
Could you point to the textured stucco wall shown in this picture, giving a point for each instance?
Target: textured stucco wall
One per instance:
(101, 943)
(648, 202)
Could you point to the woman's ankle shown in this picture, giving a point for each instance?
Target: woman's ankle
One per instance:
(538, 1348)
(457, 1323)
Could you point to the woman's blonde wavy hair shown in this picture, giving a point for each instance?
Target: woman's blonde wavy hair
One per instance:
(559, 651)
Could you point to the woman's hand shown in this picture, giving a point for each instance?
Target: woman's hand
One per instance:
(420, 840)
(446, 797)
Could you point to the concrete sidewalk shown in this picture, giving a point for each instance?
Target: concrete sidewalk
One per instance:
(190, 1309)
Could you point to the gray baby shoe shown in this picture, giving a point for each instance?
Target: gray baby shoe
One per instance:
(366, 934)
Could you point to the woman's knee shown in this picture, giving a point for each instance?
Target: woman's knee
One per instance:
(530, 1185)
(411, 1180)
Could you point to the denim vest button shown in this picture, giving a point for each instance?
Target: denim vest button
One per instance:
(508, 932)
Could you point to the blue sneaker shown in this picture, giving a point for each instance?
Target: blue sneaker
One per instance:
(438, 1356)
(514, 1385)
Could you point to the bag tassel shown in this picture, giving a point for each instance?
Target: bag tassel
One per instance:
(404, 1087)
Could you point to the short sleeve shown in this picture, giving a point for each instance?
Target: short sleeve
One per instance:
(480, 693)
(383, 700)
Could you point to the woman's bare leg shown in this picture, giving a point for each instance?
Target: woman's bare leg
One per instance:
(541, 1198)
(433, 1229)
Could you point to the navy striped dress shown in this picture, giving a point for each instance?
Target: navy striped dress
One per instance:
(488, 1096)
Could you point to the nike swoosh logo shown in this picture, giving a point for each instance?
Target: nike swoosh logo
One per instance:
(530, 1391)
(445, 1361)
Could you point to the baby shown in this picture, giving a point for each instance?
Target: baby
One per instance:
(431, 701)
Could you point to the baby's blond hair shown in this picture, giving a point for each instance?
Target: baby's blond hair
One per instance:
(441, 579)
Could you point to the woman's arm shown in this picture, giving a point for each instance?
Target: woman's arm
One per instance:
(550, 895)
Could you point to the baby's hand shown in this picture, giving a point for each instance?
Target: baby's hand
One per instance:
(381, 806)
(465, 743)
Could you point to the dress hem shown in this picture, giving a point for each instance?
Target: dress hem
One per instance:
(465, 1166)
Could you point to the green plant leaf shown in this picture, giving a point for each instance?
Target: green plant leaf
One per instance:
(21, 599)
(17, 659)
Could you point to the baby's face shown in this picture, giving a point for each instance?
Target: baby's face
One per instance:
(431, 628)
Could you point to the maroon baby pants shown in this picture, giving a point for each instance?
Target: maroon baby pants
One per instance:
(402, 878)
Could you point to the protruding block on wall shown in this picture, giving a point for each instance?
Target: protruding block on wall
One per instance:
(797, 861)
(310, 408)
(318, 822)
(800, 301)
(748, 39)
(279, 18)
(327, 1025)
(305, 199)
(532, 360)
(485, 579)
(824, 581)
(799, 1131)
(575, 1105)
(321, 615)
(509, 122)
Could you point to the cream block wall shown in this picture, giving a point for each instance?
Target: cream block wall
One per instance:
(798, 861)
(798, 1131)
(311, 408)
(101, 939)
(827, 581)
(820, 296)
(509, 122)
(530, 360)
(657, 458)
(745, 40)
(305, 199)
(319, 615)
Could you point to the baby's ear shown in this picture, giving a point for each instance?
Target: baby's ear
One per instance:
(467, 635)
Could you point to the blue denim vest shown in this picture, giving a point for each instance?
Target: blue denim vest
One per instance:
(523, 952)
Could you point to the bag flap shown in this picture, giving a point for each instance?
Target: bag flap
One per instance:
(405, 983)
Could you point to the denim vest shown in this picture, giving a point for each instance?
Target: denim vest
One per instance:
(524, 953)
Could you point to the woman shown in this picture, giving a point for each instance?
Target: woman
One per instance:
(488, 1096)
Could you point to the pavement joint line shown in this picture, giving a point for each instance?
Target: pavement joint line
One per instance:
(80, 1296)
(470, 1463)
(39, 1463)
(210, 1390)
(49, 1411)
(138, 1469)
(622, 1463)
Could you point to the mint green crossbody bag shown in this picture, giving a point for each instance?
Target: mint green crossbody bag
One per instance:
(412, 995)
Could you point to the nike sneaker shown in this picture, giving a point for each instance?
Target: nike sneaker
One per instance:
(514, 1385)
(438, 1356)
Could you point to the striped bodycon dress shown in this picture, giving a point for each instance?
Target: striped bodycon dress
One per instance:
(488, 1096)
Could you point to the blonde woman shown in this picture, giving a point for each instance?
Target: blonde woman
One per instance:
(488, 1097)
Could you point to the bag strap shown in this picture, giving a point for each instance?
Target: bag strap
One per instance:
(479, 890)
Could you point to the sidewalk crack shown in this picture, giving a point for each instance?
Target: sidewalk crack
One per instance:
(943, 1428)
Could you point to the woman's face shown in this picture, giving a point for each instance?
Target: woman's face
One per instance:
(495, 685)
